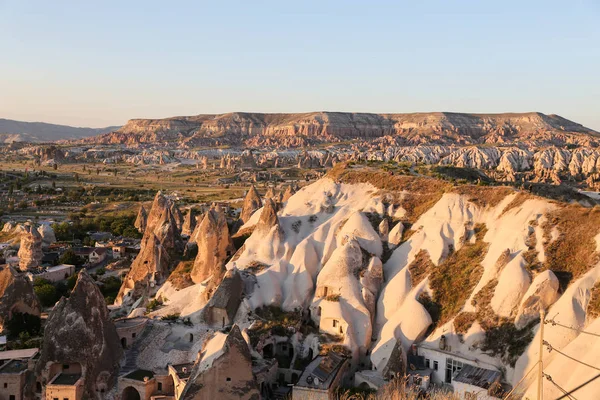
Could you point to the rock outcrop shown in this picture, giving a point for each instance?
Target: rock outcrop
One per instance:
(80, 333)
(163, 224)
(215, 247)
(47, 234)
(30, 252)
(160, 248)
(252, 202)
(223, 356)
(189, 223)
(16, 295)
(141, 220)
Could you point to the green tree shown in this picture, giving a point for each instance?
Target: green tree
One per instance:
(69, 257)
(46, 293)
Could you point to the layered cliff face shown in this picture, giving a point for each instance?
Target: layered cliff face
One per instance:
(80, 333)
(293, 130)
(30, 252)
(16, 296)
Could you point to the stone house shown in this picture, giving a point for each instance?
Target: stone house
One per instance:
(145, 385)
(129, 329)
(65, 386)
(322, 377)
(477, 383)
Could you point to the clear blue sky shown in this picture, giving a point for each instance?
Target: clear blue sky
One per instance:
(97, 63)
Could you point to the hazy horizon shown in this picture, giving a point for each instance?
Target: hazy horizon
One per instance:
(97, 65)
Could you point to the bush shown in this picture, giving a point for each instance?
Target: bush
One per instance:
(21, 323)
(46, 293)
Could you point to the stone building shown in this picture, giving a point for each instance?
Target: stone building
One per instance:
(146, 385)
(322, 377)
(15, 368)
(223, 370)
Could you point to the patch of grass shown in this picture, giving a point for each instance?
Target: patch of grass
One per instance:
(180, 277)
(420, 267)
(464, 321)
(256, 266)
(333, 297)
(573, 253)
(271, 320)
(593, 308)
(454, 279)
(484, 196)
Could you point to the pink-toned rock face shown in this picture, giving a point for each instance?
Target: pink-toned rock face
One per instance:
(296, 130)
(214, 247)
(30, 252)
(252, 203)
(141, 220)
(161, 246)
(16, 294)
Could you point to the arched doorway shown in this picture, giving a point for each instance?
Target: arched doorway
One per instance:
(130, 393)
(124, 342)
(268, 351)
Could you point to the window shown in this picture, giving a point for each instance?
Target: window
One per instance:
(228, 379)
(325, 289)
(66, 398)
(452, 366)
(160, 386)
(435, 365)
(319, 311)
(133, 335)
(56, 398)
(427, 363)
(65, 366)
(5, 385)
(335, 323)
(11, 397)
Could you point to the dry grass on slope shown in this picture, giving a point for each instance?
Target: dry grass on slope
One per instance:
(484, 196)
(420, 267)
(415, 194)
(180, 277)
(453, 280)
(398, 389)
(573, 253)
(593, 308)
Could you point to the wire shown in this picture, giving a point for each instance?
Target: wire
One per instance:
(549, 378)
(554, 323)
(550, 348)
(522, 379)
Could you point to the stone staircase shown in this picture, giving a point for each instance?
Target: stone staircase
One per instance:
(131, 354)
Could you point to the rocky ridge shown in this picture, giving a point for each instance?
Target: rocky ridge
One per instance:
(80, 331)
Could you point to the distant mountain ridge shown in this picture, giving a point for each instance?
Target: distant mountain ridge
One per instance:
(20, 131)
(296, 130)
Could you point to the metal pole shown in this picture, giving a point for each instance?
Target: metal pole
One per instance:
(540, 393)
